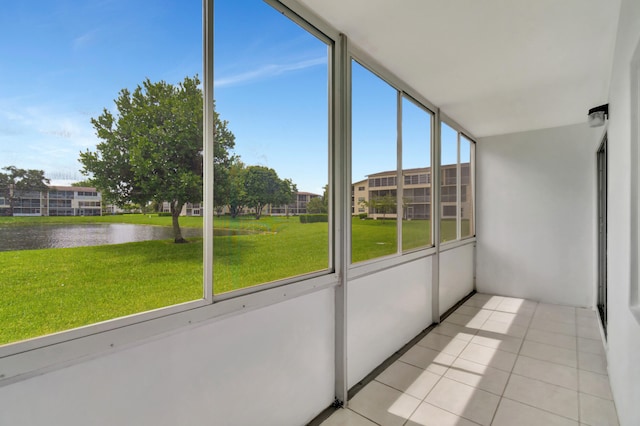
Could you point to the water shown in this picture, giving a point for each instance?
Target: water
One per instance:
(62, 236)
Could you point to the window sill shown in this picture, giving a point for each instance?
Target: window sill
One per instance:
(376, 265)
(450, 245)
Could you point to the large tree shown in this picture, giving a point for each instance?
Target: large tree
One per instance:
(16, 182)
(262, 186)
(151, 149)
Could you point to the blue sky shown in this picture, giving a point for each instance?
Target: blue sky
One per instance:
(64, 61)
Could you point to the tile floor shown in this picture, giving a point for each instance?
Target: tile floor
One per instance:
(494, 361)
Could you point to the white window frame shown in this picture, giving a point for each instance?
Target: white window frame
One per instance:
(462, 133)
(369, 266)
(24, 359)
(634, 287)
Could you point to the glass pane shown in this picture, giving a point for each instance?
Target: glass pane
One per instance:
(466, 188)
(373, 165)
(78, 248)
(271, 90)
(416, 172)
(448, 183)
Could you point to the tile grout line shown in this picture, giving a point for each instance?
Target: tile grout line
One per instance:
(502, 397)
(449, 367)
(578, 371)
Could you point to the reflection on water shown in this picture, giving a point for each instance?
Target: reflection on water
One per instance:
(61, 236)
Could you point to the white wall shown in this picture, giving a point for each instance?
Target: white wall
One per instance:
(456, 276)
(624, 330)
(384, 311)
(536, 214)
(272, 366)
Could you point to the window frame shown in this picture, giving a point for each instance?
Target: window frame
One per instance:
(461, 133)
(403, 90)
(634, 281)
(22, 359)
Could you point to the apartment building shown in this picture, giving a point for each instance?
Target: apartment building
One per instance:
(188, 209)
(56, 201)
(298, 207)
(416, 193)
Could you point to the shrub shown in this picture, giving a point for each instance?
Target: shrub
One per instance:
(313, 218)
(362, 215)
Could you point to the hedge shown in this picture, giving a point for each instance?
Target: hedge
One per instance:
(313, 218)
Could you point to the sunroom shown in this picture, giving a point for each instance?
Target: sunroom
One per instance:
(502, 198)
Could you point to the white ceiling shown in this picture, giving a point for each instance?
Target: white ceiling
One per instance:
(494, 66)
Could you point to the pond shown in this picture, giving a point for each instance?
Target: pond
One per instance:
(63, 236)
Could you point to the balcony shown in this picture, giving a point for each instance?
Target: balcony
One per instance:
(497, 361)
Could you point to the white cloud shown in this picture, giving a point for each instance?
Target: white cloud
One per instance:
(85, 39)
(268, 71)
(45, 136)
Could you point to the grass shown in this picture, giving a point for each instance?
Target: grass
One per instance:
(45, 291)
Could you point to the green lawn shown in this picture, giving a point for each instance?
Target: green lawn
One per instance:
(45, 291)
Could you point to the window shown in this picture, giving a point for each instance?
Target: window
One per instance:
(373, 152)
(271, 98)
(448, 184)
(456, 194)
(271, 79)
(449, 211)
(416, 154)
(466, 188)
(63, 276)
(386, 123)
(448, 194)
(271, 70)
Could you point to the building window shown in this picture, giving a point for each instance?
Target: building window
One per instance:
(449, 211)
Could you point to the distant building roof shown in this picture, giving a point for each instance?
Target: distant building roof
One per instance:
(73, 188)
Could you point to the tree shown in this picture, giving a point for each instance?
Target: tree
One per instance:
(86, 183)
(16, 182)
(286, 194)
(151, 150)
(262, 186)
(236, 194)
(319, 204)
(316, 205)
(386, 204)
(381, 204)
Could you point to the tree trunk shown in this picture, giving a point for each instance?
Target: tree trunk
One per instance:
(176, 208)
